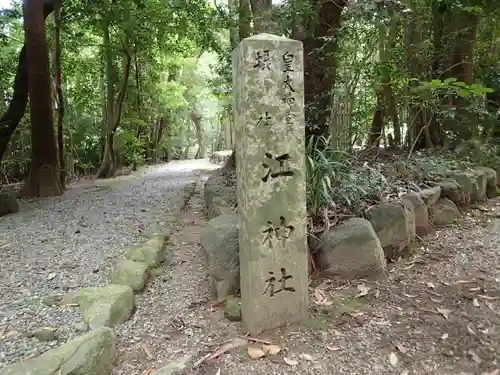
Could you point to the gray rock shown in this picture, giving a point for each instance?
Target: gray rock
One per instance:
(444, 212)
(219, 240)
(219, 195)
(46, 334)
(232, 310)
(467, 183)
(8, 203)
(352, 250)
(394, 224)
(491, 181)
(81, 327)
(106, 306)
(421, 212)
(90, 354)
(452, 189)
(150, 252)
(175, 367)
(481, 180)
(133, 274)
(53, 299)
(431, 195)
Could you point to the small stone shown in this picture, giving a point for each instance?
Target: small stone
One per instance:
(46, 334)
(232, 310)
(52, 299)
(81, 327)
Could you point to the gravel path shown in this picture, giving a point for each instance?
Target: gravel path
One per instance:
(436, 312)
(59, 244)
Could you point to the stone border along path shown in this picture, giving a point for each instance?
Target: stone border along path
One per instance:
(103, 308)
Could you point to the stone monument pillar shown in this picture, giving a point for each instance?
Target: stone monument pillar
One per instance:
(268, 87)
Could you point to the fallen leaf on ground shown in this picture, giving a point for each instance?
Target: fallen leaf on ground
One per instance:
(494, 372)
(255, 352)
(333, 348)
(444, 336)
(225, 347)
(470, 330)
(475, 357)
(401, 348)
(444, 312)
(271, 349)
(319, 296)
(51, 276)
(362, 291)
(146, 351)
(409, 295)
(290, 362)
(393, 359)
(489, 298)
(307, 357)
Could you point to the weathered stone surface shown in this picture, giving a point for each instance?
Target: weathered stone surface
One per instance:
(219, 194)
(133, 274)
(491, 181)
(352, 250)
(90, 354)
(8, 203)
(452, 189)
(232, 309)
(46, 334)
(219, 240)
(105, 306)
(150, 252)
(444, 212)
(480, 179)
(176, 367)
(430, 195)
(394, 223)
(421, 212)
(268, 88)
(467, 182)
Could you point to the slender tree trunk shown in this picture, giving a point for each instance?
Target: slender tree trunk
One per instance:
(114, 113)
(60, 98)
(44, 178)
(202, 147)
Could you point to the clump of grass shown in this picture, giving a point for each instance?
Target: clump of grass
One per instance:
(333, 179)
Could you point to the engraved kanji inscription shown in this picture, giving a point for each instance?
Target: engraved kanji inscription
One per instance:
(284, 231)
(263, 60)
(264, 119)
(272, 280)
(279, 233)
(287, 62)
(288, 83)
(283, 171)
(270, 233)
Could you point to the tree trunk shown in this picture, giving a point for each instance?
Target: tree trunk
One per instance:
(114, 110)
(17, 107)
(200, 135)
(60, 98)
(233, 23)
(319, 64)
(44, 178)
(262, 11)
(244, 19)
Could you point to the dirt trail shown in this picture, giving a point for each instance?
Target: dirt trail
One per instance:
(436, 312)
